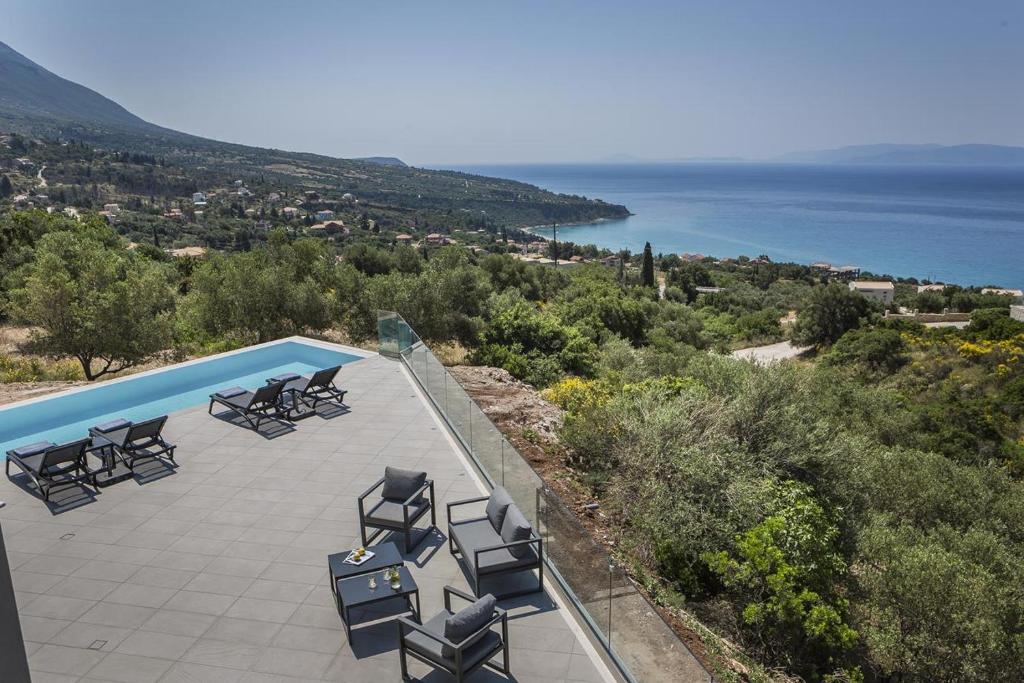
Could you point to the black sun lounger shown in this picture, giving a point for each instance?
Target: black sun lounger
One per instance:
(263, 404)
(313, 390)
(51, 466)
(131, 442)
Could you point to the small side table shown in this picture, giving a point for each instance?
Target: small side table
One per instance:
(385, 555)
(356, 592)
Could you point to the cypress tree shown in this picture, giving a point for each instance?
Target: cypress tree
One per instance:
(647, 270)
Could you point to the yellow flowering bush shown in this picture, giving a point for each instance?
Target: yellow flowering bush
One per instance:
(574, 394)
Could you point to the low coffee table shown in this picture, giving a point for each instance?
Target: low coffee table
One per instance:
(355, 591)
(385, 555)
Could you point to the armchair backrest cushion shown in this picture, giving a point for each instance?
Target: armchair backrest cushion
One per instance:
(497, 506)
(465, 623)
(515, 528)
(400, 484)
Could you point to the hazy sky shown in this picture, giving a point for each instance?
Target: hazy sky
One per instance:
(466, 82)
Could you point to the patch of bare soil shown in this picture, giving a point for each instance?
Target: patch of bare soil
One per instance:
(530, 424)
(19, 391)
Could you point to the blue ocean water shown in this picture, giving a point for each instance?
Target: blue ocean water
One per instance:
(953, 224)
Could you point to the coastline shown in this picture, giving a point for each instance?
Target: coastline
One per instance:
(530, 229)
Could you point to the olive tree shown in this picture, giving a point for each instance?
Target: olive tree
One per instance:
(93, 301)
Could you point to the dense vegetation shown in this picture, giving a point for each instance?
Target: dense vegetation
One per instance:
(858, 514)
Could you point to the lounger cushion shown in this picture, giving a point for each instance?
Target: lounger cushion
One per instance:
(431, 649)
(515, 528)
(119, 423)
(32, 449)
(464, 623)
(475, 534)
(497, 506)
(389, 512)
(286, 377)
(400, 484)
(231, 392)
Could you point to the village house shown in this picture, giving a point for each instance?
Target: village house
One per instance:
(112, 208)
(1017, 313)
(1018, 295)
(877, 290)
(198, 197)
(937, 287)
(325, 215)
(403, 238)
(290, 212)
(328, 228)
(435, 238)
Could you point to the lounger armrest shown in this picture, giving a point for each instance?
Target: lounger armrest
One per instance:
(449, 591)
(407, 623)
(505, 546)
(464, 502)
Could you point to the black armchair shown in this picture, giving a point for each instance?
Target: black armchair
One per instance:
(400, 506)
(428, 644)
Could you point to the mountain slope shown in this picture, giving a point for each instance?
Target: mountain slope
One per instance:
(38, 103)
(27, 90)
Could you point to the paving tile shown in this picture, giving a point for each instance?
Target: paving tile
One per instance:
(278, 590)
(57, 607)
(203, 603)
(162, 577)
(123, 616)
(130, 668)
(179, 623)
(92, 636)
(298, 663)
(221, 584)
(262, 610)
(328, 641)
(41, 629)
(187, 672)
(248, 631)
(138, 594)
(60, 659)
(152, 644)
(237, 566)
(86, 589)
(222, 653)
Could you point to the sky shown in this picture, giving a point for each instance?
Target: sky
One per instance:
(545, 81)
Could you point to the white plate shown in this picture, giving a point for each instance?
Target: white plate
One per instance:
(351, 557)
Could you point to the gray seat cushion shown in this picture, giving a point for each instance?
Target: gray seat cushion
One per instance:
(399, 484)
(497, 506)
(515, 528)
(461, 626)
(431, 649)
(474, 534)
(231, 392)
(32, 449)
(389, 513)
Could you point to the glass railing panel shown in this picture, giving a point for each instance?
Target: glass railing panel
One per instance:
(486, 444)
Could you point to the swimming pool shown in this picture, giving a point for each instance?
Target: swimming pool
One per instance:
(68, 415)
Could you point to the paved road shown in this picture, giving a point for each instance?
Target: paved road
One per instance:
(772, 353)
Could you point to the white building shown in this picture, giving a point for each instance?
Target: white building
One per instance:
(325, 215)
(880, 291)
(1017, 313)
(937, 287)
(198, 198)
(1017, 294)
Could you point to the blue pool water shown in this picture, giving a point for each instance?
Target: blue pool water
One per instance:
(67, 417)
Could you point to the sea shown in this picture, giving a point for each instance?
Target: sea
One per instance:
(962, 225)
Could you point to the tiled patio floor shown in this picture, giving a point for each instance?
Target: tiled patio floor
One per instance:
(217, 571)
